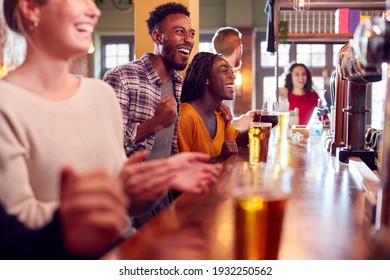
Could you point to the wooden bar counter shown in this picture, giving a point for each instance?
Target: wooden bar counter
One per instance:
(325, 217)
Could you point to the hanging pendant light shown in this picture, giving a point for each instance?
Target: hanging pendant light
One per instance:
(301, 5)
(123, 5)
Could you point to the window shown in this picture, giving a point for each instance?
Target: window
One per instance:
(269, 86)
(116, 50)
(284, 54)
(205, 44)
(312, 55)
(336, 49)
(268, 60)
(378, 104)
(206, 47)
(116, 54)
(319, 83)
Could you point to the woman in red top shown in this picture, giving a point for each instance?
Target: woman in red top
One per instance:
(300, 91)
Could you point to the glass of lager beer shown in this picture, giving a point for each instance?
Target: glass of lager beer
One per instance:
(260, 195)
(259, 134)
(283, 124)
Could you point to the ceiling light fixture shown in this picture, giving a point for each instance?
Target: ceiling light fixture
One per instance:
(301, 5)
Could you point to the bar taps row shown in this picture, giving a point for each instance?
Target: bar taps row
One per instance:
(364, 60)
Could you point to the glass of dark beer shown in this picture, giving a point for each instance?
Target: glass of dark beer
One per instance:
(270, 113)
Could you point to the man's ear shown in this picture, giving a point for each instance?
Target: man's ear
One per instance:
(237, 50)
(157, 37)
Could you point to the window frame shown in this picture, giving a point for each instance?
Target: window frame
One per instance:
(115, 39)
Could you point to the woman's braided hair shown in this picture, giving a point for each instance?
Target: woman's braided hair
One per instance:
(196, 76)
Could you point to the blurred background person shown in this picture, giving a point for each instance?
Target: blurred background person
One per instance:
(299, 91)
(209, 79)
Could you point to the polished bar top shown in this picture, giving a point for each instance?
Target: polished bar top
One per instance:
(324, 219)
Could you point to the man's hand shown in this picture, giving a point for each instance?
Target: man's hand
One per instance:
(242, 122)
(226, 114)
(166, 113)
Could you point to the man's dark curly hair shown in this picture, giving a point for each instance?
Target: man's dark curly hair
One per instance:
(196, 76)
(159, 14)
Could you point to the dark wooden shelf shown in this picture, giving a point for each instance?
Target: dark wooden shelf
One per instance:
(285, 5)
(319, 37)
(325, 5)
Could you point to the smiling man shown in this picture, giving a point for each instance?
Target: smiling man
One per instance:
(149, 89)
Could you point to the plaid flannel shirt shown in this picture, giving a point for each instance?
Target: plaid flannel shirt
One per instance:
(138, 89)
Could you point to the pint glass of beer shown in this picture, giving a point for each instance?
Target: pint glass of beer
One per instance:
(260, 195)
(259, 134)
(283, 124)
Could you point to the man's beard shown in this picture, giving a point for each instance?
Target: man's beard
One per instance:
(174, 65)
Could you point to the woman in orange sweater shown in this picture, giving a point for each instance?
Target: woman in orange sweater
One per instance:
(209, 80)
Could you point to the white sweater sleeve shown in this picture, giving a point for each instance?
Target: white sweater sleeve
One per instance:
(16, 193)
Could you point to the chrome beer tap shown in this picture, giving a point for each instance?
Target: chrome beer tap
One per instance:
(356, 79)
(372, 46)
(339, 122)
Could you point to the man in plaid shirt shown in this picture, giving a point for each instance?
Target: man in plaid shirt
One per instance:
(149, 89)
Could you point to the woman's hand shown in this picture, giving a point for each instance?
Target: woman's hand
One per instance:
(93, 211)
(185, 172)
(145, 180)
(229, 148)
(283, 93)
(193, 173)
